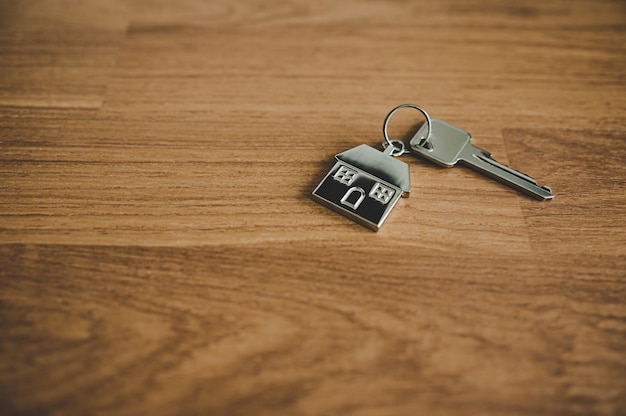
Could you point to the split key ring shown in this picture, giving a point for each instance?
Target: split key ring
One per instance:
(399, 148)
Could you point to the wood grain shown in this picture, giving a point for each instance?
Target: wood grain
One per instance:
(160, 253)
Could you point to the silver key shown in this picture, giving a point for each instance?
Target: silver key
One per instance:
(448, 145)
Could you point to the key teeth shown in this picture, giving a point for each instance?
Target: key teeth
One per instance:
(549, 197)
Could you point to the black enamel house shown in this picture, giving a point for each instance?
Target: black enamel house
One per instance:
(364, 185)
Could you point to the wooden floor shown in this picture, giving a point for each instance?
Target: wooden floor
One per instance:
(160, 252)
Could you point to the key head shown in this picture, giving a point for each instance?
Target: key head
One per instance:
(446, 143)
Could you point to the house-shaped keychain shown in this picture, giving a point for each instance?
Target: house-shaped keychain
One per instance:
(364, 185)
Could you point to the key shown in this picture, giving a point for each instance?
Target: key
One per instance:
(448, 145)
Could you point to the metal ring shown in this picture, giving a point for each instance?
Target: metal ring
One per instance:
(420, 109)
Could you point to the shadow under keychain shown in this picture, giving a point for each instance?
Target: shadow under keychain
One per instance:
(365, 184)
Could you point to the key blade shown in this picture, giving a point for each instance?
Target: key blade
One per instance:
(486, 157)
(482, 162)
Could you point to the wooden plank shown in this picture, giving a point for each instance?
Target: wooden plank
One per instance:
(160, 252)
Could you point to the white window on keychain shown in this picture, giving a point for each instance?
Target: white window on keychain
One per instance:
(345, 175)
(382, 193)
